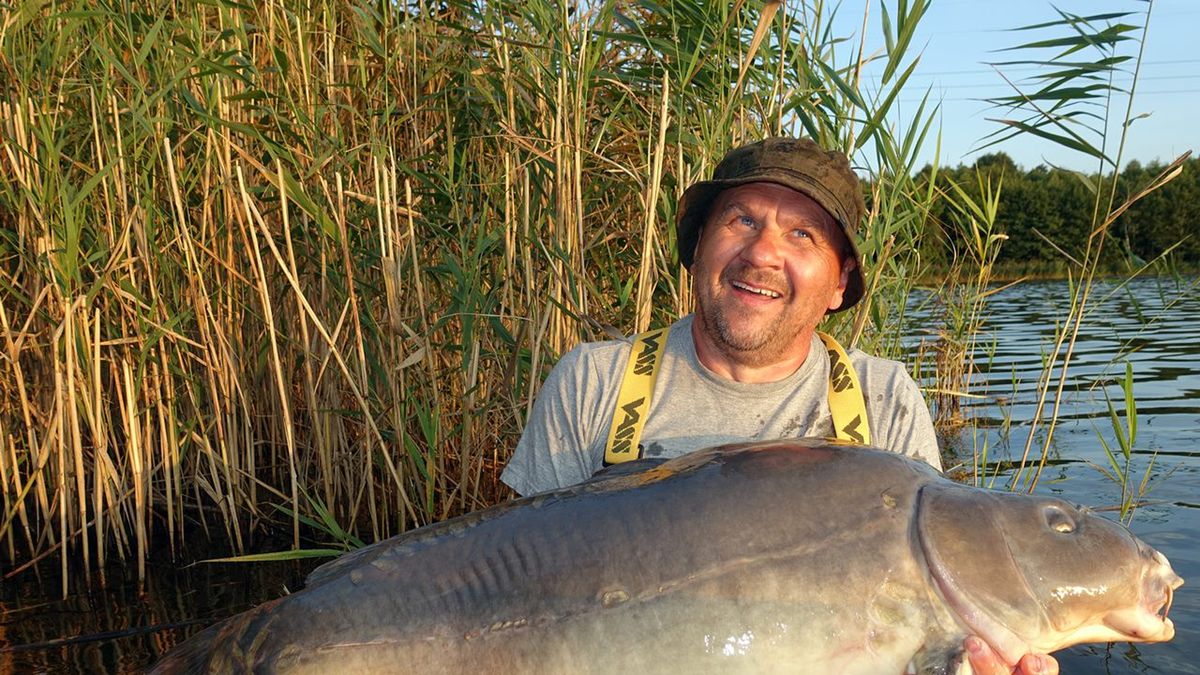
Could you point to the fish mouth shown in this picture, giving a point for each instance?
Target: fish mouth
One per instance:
(1165, 608)
(1148, 620)
(1154, 624)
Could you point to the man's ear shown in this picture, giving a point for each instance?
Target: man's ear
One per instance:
(848, 265)
(835, 299)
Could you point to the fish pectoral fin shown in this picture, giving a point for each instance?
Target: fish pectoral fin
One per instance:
(948, 658)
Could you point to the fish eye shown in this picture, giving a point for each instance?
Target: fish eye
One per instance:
(1059, 520)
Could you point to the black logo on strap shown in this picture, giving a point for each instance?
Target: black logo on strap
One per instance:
(622, 441)
(839, 377)
(645, 358)
(851, 430)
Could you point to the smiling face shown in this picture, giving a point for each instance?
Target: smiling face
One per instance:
(767, 268)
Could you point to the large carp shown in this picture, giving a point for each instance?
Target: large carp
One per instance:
(795, 556)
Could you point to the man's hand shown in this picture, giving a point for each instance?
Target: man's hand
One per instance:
(985, 661)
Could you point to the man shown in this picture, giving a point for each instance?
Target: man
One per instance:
(770, 245)
(768, 242)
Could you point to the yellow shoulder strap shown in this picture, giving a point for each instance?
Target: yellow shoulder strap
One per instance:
(633, 400)
(637, 386)
(845, 395)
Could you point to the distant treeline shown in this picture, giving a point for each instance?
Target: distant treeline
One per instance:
(1043, 205)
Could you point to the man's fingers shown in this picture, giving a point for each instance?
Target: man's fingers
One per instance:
(985, 661)
(1037, 664)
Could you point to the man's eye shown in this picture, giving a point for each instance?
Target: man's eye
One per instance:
(801, 234)
(745, 221)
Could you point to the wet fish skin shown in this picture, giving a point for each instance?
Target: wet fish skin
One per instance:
(790, 556)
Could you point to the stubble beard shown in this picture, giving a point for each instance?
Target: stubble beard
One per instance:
(743, 334)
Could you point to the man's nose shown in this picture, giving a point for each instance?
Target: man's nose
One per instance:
(765, 248)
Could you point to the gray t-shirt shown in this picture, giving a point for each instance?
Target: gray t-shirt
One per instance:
(693, 408)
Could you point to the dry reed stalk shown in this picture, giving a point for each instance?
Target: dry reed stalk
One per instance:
(35, 478)
(309, 381)
(560, 228)
(646, 270)
(199, 294)
(365, 482)
(72, 409)
(168, 444)
(391, 250)
(13, 347)
(137, 464)
(9, 472)
(100, 458)
(385, 213)
(59, 470)
(276, 368)
(217, 370)
(434, 479)
(254, 219)
(293, 477)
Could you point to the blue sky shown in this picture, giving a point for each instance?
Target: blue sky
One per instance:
(959, 37)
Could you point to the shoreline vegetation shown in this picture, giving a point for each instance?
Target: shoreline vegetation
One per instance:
(299, 268)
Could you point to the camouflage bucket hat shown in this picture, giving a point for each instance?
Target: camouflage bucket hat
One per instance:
(797, 163)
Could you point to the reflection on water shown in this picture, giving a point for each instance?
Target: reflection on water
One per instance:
(1148, 323)
(1152, 324)
(116, 629)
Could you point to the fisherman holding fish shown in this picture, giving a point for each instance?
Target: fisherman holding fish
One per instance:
(769, 242)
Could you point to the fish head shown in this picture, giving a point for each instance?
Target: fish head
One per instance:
(1028, 573)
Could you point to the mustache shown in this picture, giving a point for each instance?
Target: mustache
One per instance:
(757, 277)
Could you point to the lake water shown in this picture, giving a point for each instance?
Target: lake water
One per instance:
(1150, 323)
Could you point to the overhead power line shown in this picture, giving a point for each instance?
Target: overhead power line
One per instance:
(980, 71)
(982, 99)
(1000, 85)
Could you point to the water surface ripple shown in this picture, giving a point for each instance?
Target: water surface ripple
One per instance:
(1150, 324)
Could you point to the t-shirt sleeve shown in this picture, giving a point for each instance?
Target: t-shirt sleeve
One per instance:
(554, 450)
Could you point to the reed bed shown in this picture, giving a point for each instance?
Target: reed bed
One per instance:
(296, 269)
